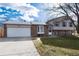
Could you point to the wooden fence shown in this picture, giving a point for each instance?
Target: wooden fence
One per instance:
(1, 32)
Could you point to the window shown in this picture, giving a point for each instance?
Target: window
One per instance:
(70, 24)
(57, 24)
(64, 24)
(40, 28)
(50, 27)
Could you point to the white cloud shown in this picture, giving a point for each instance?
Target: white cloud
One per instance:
(29, 10)
(1, 10)
(26, 9)
(27, 18)
(2, 16)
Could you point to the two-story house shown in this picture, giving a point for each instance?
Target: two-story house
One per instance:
(60, 26)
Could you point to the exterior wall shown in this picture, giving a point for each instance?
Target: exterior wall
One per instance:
(33, 30)
(61, 32)
(46, 30)
(1, 32)
(5, 30)
(60, 27)
(63, 28)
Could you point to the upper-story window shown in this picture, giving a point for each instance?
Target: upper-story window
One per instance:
(40, 28)
(70, 24)
(64, 24)
(56, 24)
(50, 27)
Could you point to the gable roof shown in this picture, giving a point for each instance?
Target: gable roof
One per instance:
(58, 19)
(26, 23)
(15, 22)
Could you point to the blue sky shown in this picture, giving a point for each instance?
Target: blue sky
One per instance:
(33, 12)
(42, 13)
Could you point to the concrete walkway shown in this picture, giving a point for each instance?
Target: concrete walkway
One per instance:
(17, 47)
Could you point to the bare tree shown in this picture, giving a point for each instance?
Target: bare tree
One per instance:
(71, 8)
(68, 9)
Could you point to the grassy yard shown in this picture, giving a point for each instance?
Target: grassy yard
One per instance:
(57, 46)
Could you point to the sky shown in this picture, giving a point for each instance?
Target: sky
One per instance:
(30, 12)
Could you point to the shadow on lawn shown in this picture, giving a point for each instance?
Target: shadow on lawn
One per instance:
(65, 42)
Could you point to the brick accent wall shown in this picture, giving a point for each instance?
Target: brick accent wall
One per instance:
(34, 30)
(46, 30)
(5, 30)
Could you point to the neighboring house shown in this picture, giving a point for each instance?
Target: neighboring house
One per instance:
(60, 26)
(24, 29)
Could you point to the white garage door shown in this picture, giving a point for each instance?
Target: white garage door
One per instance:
(18, 32)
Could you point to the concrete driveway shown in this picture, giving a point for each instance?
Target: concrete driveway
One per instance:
(17, 47)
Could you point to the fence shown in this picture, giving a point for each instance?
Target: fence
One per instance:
(1, 32)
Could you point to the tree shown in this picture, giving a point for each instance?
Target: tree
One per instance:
(68, 9)
(71, 8)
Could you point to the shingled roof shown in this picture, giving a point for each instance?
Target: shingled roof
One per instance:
(58, 19)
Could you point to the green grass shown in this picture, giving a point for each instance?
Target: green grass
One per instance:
(65, 42)
(58, 46)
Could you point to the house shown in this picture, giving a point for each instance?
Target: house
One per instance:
(24, 29)
(60, 26)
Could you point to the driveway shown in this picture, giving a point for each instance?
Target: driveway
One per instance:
(17, 47)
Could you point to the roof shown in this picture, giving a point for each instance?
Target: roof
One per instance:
(58, 19)
(15, 22)
(38, 23)
(27, 23)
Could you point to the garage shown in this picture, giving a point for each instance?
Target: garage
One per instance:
(17, 29)
(18, 32)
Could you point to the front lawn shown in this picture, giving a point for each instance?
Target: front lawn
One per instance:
(57, 46)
